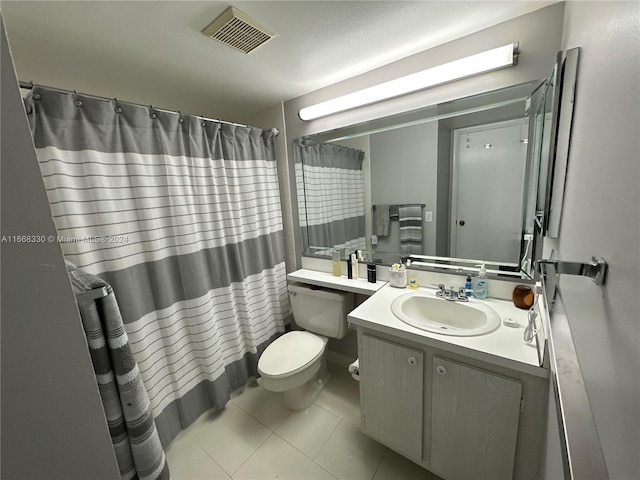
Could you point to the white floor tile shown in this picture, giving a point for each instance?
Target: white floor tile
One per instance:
(266, 407)
(244, 397)
(316, 472)
(275, 459)
(308, 429)
(187, 461)
(350, 455)
(397, 467)
(229, 437)
(341, 396)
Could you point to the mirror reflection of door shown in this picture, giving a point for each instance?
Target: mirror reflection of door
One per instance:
(489, 171)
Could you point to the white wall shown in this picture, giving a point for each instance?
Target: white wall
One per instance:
(53, 425)
(539, 34)
(600, 217)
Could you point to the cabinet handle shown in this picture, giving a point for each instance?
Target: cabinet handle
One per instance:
(441, 370)
(412, 361)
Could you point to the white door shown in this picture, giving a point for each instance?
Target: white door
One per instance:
(488, 191)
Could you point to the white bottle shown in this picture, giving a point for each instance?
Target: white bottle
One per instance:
(354, 266)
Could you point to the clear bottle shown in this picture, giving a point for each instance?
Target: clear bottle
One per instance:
(481, 287)
(335, 262)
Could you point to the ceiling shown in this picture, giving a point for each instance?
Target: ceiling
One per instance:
(152, 52)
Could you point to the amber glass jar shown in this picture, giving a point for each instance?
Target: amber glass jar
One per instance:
(523, 297)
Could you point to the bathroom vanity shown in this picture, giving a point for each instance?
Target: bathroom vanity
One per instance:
(460, 406)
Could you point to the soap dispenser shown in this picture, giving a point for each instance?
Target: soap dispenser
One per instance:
(481, 288)
(468, 287)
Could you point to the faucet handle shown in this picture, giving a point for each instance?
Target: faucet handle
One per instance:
(462, 295)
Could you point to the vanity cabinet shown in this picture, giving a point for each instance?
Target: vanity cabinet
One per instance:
(391, 395)
(474, 421)
(457, 417)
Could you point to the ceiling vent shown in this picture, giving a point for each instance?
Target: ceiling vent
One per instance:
(239, 31)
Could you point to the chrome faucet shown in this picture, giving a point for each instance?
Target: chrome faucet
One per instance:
(452, 294)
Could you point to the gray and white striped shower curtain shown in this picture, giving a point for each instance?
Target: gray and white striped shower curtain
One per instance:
(330, 186)
(182, 218)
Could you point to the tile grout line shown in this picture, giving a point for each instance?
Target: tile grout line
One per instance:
(250, 456)
(386, 452)
(194, 440)
(323, 444)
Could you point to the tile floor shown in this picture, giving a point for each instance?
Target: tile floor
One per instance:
(257, 437)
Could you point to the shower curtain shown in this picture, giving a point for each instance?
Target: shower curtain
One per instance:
(330, 186)
(181, 216)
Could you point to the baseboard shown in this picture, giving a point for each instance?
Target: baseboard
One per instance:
(339, 359)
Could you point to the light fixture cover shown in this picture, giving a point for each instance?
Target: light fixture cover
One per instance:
(465, 67)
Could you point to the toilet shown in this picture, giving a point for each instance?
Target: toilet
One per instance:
(295, 363)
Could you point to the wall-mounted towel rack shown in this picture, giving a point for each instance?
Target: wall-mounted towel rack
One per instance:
(596, 270)
(582, 453)
(91, 295)
(393, 208)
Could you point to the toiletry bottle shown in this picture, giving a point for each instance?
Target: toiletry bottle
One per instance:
(468, 287)
(335, 263)
(481, 287)
(483, 271)
(349, 267)
(354, 265)
(371, 272)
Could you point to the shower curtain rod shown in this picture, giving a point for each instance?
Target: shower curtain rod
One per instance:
(30, 85)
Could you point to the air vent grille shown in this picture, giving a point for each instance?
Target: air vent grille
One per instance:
(239, 31)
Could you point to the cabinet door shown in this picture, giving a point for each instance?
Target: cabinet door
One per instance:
(474, 424)
(391, 391)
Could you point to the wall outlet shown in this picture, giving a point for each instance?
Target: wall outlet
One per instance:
(428, 216)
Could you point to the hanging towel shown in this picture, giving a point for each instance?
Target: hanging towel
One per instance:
(410, 217)
(125, 400)
(382, 220)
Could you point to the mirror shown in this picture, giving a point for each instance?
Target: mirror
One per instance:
(468, 179)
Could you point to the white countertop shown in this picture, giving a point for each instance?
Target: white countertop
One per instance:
(504, 346)
(323, 279)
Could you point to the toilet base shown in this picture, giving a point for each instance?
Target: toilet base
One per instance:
(303, 396)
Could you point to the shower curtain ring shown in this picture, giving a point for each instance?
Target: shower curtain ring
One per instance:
(117, 108)
(153, 115)
(180, 119)
(76, 102)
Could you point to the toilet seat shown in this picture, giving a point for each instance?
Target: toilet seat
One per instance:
(290, 354)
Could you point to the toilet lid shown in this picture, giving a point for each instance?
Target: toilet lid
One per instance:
(290, 353)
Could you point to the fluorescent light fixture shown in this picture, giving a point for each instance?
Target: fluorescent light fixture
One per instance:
(494, 59)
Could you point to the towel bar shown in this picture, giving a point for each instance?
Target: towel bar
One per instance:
(91, 295)
(582, 455)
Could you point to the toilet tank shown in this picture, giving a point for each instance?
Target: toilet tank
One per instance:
(321, 310)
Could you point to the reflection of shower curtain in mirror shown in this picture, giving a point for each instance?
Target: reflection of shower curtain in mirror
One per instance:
(330, 185)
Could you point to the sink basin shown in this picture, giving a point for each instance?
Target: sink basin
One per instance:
(427, 312)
